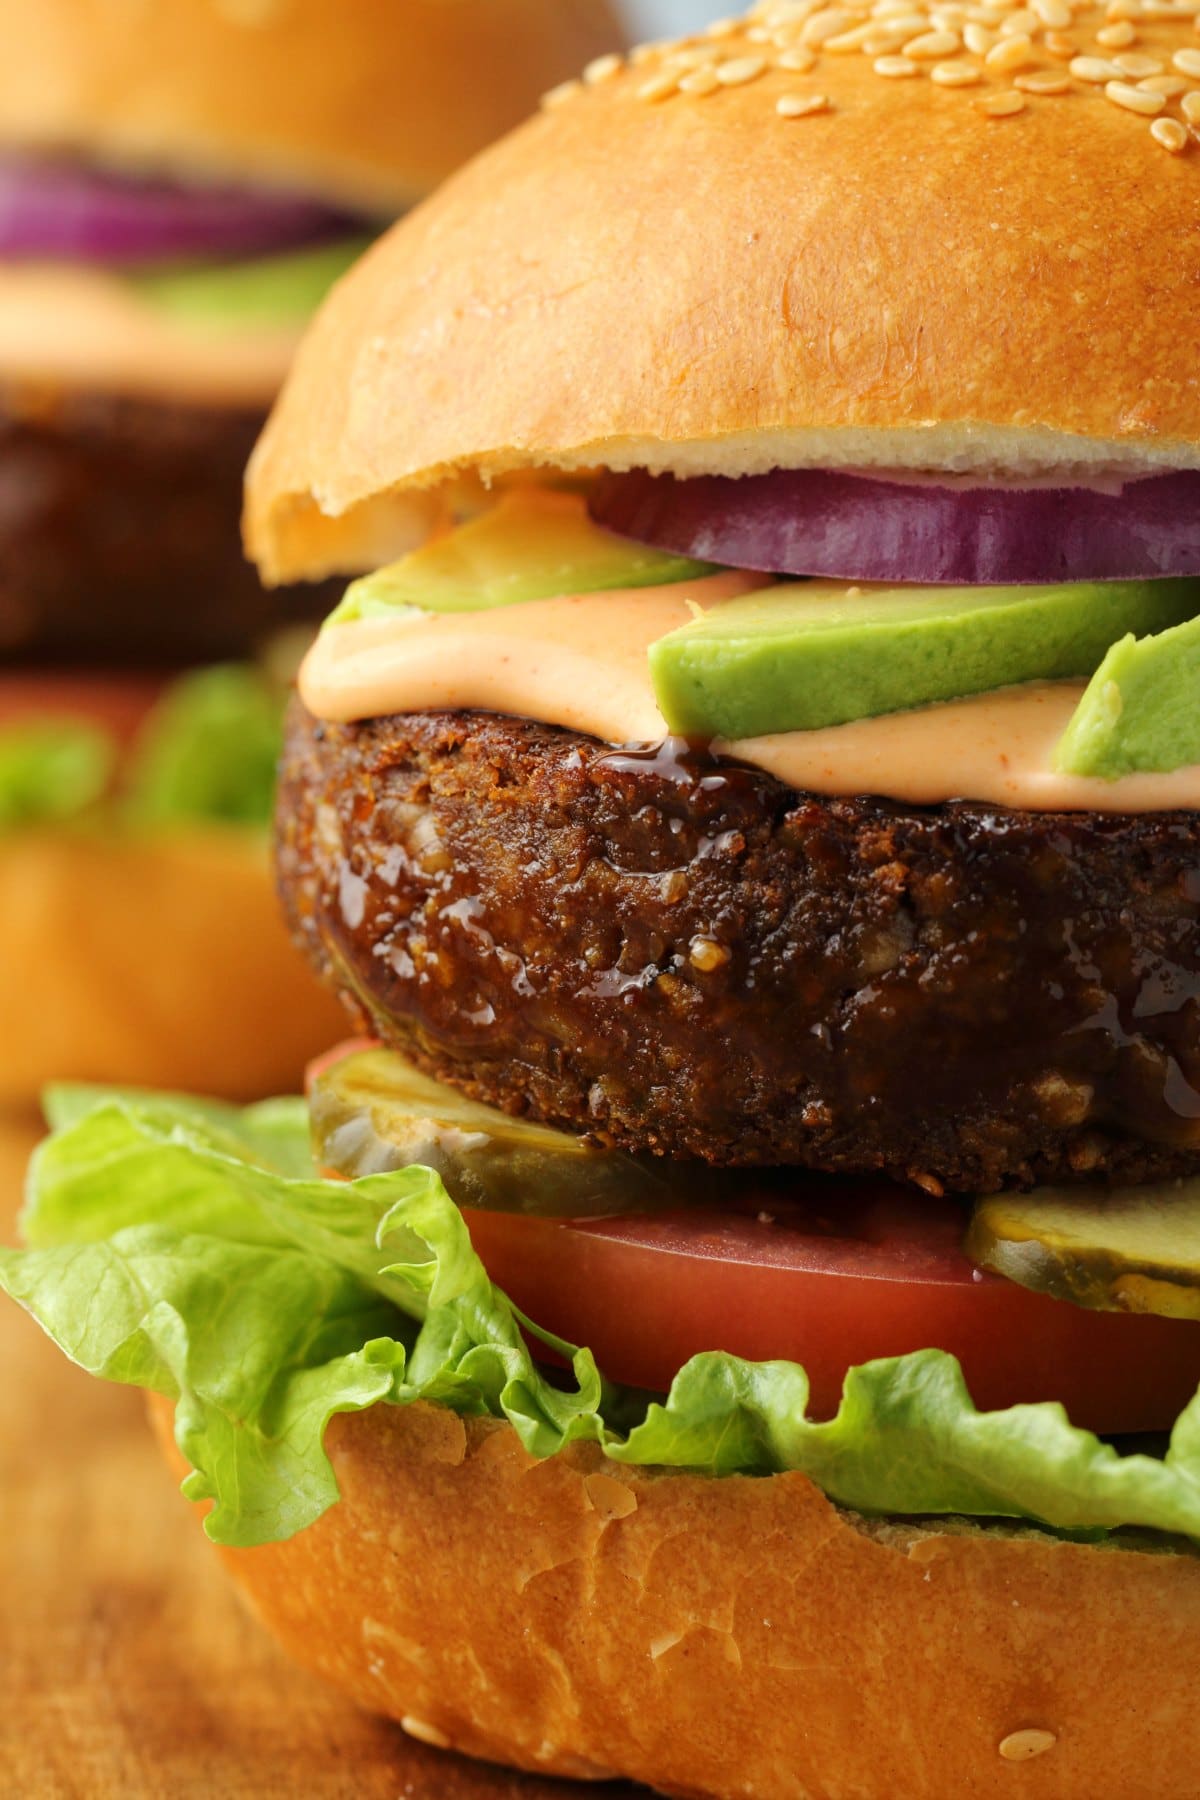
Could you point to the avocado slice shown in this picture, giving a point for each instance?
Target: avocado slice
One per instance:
(266, 291)
(809, 654)
(1141, 711)
(372, 1111)
(533, 544)
(1134, 1249)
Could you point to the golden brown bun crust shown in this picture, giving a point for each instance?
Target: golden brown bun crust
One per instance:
(371, 101)
(702, 285)
(156, 961)
(733, 1637)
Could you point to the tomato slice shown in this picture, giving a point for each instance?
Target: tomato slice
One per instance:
(829, 1278)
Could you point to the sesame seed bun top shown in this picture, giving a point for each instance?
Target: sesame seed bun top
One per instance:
(895, 236)
(370, 103)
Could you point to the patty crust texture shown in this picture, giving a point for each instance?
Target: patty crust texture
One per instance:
(119, 533)
(686, 956)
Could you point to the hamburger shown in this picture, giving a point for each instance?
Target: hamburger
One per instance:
(731, 1319)
(177, 192)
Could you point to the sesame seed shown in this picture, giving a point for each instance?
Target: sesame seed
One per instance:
(1169, 86)
(1187, 62)
(1190, 107)
(1138, 67)
(895, 67)
(1118, 36)
(699, 82)
(1170, 134)
(1010, 53)
(1020, 1746)
(799, 106)
(603, 68)
(1059, 45)
(851, 40)
(798, 61)
(1020, 24)
(557, 95)
(932, 45)
(977, 38)
(1056, 15)
(1123, 9)
(740, 70)
(823, 25)
(955, 74)
(1093, 68)
(659, 87)
(1000, 106)
(722, 28)
(1133, 100)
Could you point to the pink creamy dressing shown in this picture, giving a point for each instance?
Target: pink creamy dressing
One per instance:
(89, 328)
(580, 661)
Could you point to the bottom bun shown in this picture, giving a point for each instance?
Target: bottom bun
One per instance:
(732, 1637)
(150, 960)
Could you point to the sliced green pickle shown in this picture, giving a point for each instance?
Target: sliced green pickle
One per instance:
(1134, 1249)
(533, 544)
(373, 1111)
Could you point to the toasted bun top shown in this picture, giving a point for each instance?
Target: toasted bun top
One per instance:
(704, 281)
(371, 102)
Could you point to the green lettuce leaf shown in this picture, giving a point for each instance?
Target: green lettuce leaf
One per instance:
(51, 770)
(191, 1249)
(208, 750)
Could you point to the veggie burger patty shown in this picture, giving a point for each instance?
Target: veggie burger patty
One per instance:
(678, 954)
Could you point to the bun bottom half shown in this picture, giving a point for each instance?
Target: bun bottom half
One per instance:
(733, 1637)
(155, 960)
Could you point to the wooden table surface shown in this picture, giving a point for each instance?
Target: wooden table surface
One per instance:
(128, 1667)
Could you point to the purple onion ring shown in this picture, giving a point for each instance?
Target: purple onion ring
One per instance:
(854, 528)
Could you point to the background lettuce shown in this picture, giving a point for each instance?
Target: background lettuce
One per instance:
(207, 751)
(189, 1248)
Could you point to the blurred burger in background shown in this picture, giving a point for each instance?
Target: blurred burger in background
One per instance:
(181, 181)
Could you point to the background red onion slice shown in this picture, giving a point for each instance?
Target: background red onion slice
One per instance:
(68, 212)
(850, 527)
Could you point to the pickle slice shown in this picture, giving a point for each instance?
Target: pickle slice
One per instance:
(372, 1111)
(1133, 1249)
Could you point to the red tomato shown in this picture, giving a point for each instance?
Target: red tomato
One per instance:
(840, 1275)
(117, 703)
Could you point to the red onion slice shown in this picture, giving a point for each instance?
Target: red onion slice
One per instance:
(853, 528)
(69, 212)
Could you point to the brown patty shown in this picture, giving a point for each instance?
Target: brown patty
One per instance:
(119, 533)
(687, 956)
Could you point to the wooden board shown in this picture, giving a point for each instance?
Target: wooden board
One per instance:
(129, 1669)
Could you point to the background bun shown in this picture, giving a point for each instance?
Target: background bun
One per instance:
(154, 960)
(369, 101)
(726, 1637)
(703, 285)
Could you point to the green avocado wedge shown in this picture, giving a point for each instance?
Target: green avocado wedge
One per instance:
(810, 654)
(280, 291)
(1141, 711)
(533, 544)
(1133, 1249)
